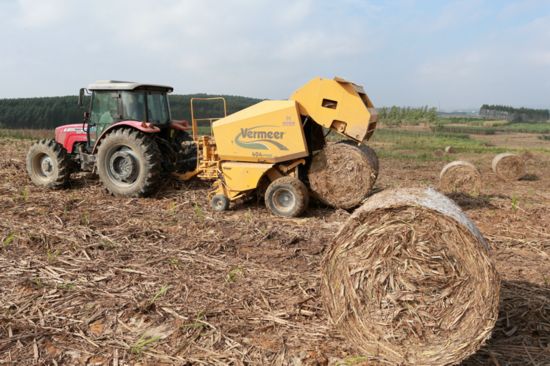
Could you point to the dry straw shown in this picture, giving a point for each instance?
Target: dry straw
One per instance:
(373, 158)
(408, 280)
(369, 153)
(508, 166)
(342, 175)
(460, 177)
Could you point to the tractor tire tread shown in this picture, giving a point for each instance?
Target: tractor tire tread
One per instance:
(152, 157)
(62, 162)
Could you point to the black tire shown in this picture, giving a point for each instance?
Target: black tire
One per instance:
(129, 163)
(48, 164)
(187, 149)
(219, 203)
(287, 197)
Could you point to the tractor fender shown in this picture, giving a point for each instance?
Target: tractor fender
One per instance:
(181, 125)
(144, 127)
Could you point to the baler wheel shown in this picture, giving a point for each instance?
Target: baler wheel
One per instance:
(129, 163)
(287, 197)
(48, 164)
(219, 203)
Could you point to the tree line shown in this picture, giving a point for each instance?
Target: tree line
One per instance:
(514, 114)
(396, 116)
(50, 112)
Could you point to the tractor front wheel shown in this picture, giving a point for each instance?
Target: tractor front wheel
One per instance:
(48, 164)
(129, 163)
(287, 196)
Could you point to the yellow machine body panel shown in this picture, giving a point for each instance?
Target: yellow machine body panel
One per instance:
(240, 177)
(269, 131)
(338, 104)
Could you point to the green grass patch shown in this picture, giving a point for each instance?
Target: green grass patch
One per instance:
(474, 121)
(525, 127)
(8, 239)
(234, 274)
(354, 360)
(426, 145)
(142, 343)
(482, 127)
(421, 134)
(160, 293)
(474, 130)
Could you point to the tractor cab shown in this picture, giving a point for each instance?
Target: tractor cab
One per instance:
(120, 101)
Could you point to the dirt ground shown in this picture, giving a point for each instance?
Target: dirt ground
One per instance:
(86, 278)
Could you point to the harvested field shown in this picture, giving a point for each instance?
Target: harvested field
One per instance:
(89, 278)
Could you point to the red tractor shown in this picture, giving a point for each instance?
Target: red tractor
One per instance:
(128, 137)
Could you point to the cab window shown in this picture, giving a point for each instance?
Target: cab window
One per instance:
(157, 108)
(133, 106)
(104, 108)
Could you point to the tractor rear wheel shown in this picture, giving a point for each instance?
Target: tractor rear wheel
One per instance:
(287, 196)
(129, 163)
(48, 164)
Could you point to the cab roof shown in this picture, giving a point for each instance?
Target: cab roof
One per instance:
(127, 85)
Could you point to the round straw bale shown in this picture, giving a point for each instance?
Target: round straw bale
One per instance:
(449, 149)
(508, 166)
(408, 280)
(527, 155)
(460, 177)
(373, 158)
(341, 175)
(369, 153)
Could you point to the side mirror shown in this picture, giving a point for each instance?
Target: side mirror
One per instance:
(81, 97)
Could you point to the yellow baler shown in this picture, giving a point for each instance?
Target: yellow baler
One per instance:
(268, 132)
(339, 105)
(270, 144)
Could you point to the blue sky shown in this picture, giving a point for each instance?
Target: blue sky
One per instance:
(451, 54)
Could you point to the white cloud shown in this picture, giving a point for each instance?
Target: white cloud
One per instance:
(539, 58)
(463, 66)
(295, 12)
(40, 13)
(319, 46)
(510, 67)
(234, 46)
(404, 52)
(456, 13)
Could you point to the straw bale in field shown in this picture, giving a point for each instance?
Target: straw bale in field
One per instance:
(508, 166)
(460, 177)
(342, 175)
(408, 280)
